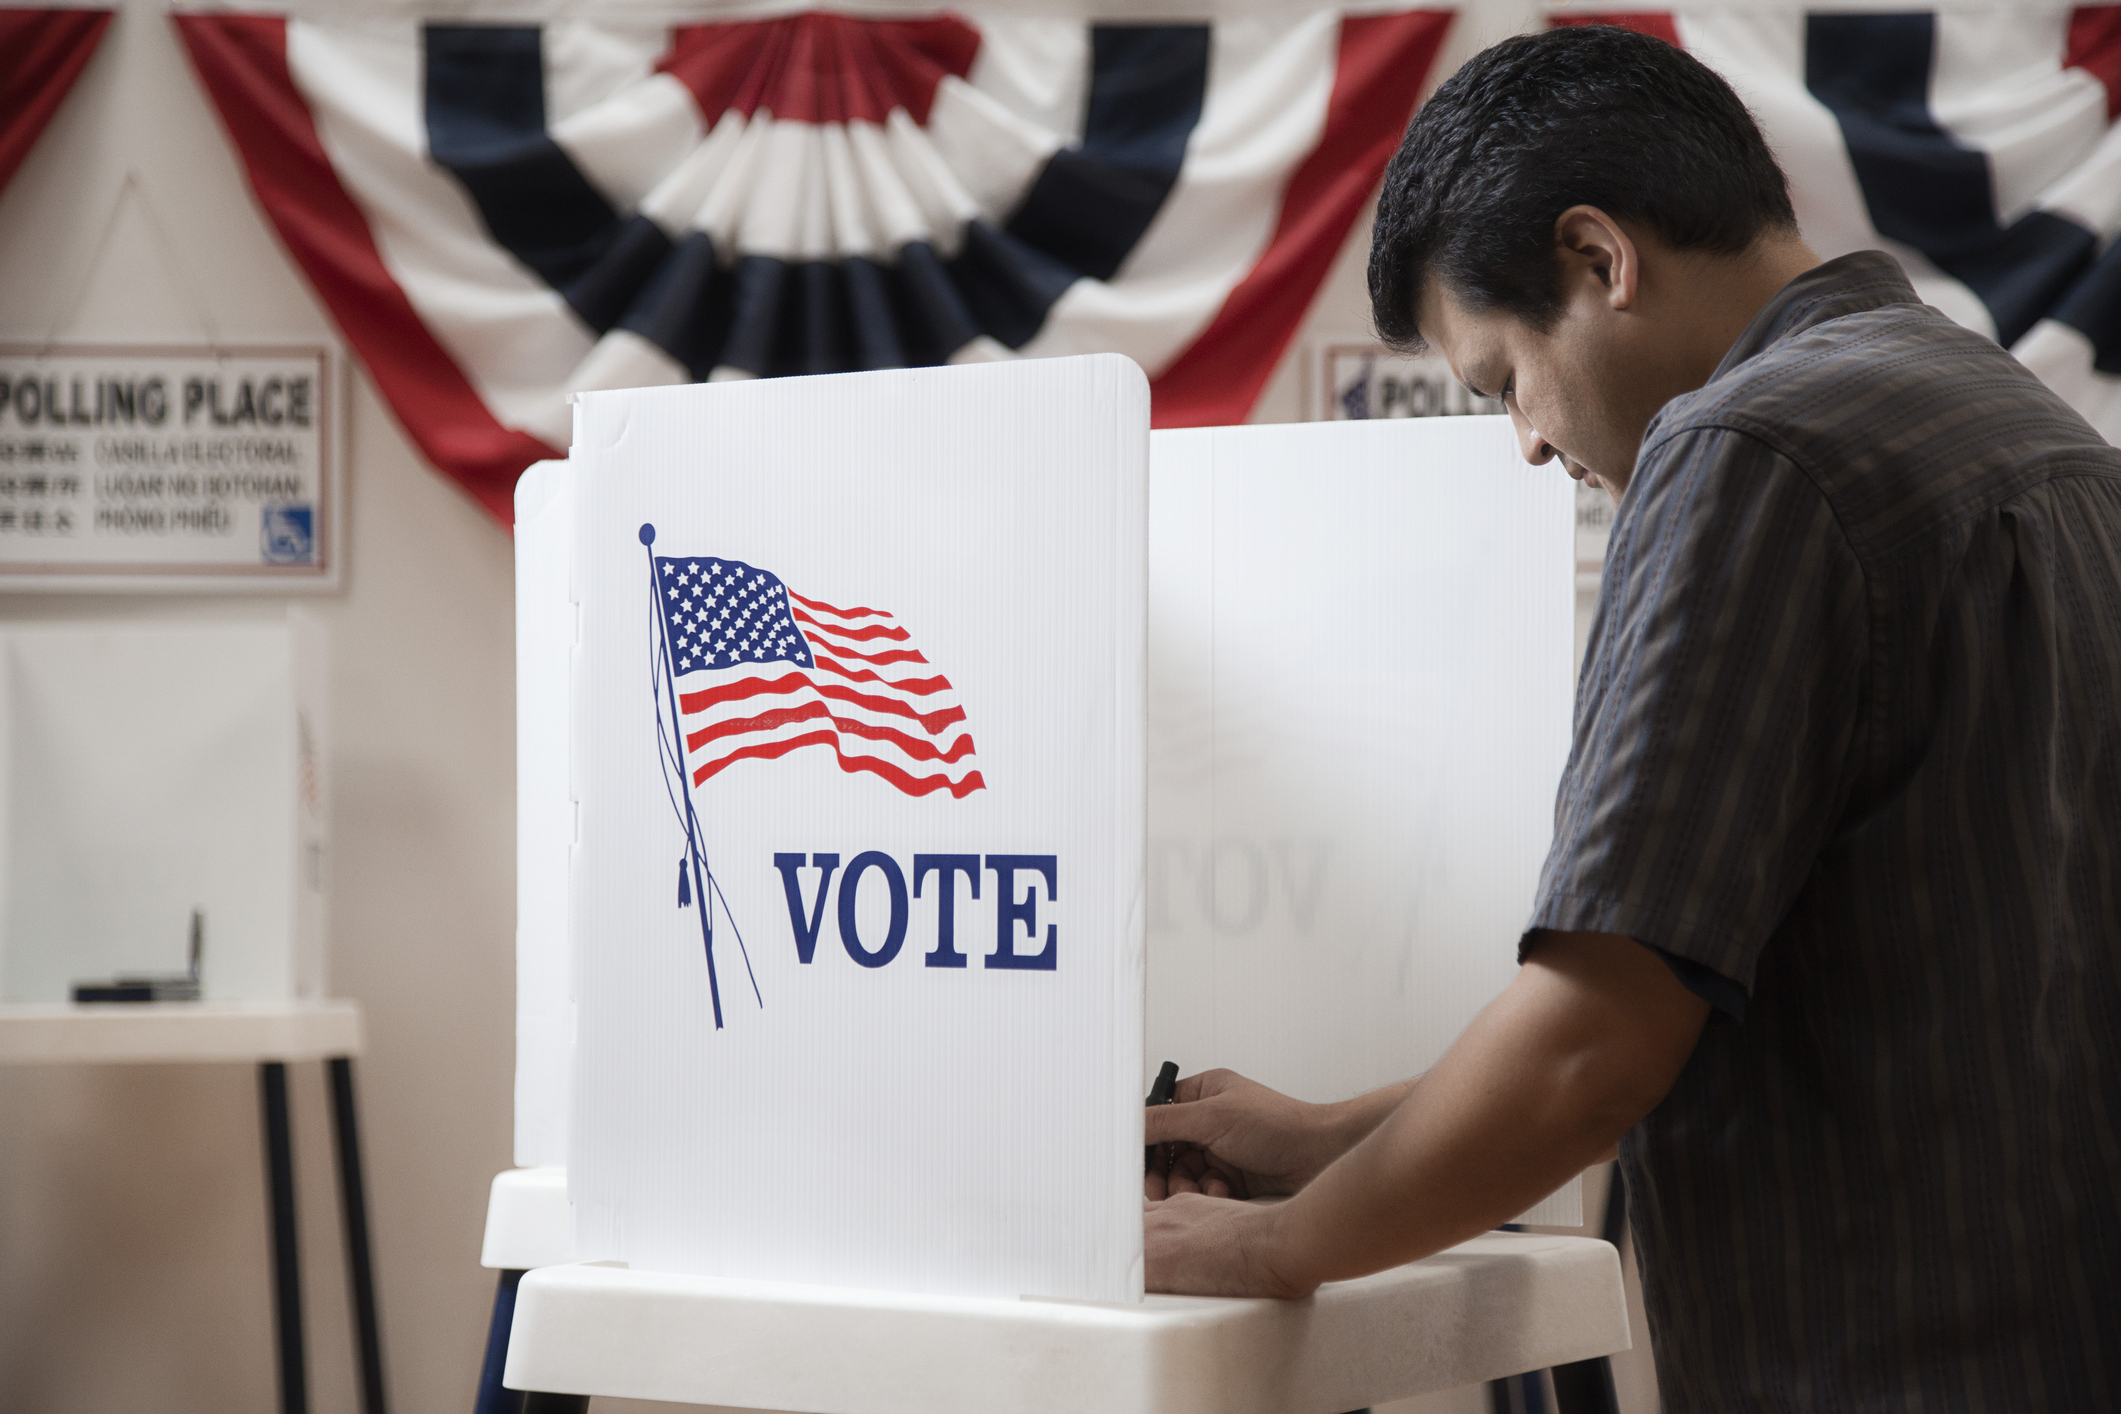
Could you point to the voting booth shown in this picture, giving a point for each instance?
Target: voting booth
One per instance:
(164, 783)
(912, 761)
(856, 748)
(1360, 677)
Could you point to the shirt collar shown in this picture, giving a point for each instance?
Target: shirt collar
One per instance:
(1867, 279)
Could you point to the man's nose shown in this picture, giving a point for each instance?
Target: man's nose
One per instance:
(1536, 449)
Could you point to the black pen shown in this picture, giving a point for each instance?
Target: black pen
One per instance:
(1160, 1093)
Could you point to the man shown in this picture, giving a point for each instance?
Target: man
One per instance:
(1830, 933)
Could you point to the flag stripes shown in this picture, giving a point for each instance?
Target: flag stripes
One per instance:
(720, 616)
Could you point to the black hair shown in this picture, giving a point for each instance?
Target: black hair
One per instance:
(1582, 115)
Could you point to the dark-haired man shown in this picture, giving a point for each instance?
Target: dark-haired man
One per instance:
(1829, 939)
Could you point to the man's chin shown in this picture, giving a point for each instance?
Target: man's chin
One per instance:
(1594, 480)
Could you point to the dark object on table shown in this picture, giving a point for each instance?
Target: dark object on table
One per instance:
(182, 987)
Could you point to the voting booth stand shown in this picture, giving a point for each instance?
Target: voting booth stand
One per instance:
(910, 763)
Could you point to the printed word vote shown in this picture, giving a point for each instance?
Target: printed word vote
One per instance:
(1012, 912)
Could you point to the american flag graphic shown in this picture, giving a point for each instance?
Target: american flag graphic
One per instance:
(760, 671)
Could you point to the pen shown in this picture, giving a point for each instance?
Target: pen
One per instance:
(1160, 1094)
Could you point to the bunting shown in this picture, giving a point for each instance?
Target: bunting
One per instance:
(42, 52)
(500, 215)
(1977, 144)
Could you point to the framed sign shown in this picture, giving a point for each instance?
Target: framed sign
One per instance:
(134, 467)
(1356, 379)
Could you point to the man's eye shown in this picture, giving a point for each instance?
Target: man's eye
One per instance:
(1509, 386)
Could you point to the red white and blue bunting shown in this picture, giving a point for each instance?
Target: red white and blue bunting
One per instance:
(1977, 143)
(42, 52)
(500, 215)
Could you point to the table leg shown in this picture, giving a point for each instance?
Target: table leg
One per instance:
(1586, 1387)
(497, 1398)
(494, 1397)
(1518, 1394)
(286, 1256)
(353, 1206)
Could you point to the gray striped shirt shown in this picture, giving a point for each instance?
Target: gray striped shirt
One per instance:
(1848, 752)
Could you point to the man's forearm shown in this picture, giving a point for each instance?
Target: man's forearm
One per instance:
(1352, 1121)
(1539, 1087)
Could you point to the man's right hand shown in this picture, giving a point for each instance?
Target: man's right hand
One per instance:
(1229, 1137)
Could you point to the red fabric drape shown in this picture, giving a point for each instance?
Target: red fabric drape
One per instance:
(42, 52)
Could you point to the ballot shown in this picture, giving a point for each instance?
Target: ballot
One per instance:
(856, 792)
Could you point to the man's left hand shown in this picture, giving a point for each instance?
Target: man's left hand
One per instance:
(1202, 1246)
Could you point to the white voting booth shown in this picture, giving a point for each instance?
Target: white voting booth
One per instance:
(1360, 672)
(151, 772)
(910, 762)
(165, 807)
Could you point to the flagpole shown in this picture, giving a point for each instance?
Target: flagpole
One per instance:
(677, 732)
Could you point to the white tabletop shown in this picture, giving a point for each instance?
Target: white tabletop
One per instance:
(178, 1031)
(528, 1221)
(1497, 1305)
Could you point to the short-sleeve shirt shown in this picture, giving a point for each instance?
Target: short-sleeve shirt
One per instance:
(1848, 753)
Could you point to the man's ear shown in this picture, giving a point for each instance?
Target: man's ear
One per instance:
(1592, 247)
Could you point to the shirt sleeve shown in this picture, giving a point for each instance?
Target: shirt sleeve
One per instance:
(1717, 715)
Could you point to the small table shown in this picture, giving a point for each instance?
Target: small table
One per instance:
(270, 1034)
(1497, 1305)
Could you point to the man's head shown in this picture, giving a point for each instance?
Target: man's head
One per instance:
(1582, 221)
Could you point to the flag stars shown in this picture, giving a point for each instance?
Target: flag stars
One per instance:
(729, 616)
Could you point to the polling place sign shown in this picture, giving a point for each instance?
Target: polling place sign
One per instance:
(127, 467)
(855, 718)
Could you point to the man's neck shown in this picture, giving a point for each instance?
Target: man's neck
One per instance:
(1731, 290)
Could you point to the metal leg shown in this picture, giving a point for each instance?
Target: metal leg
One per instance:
(494, 1397)
(1586, 1387)
(353, 1206)
(286, 1256)
(1518, 1394)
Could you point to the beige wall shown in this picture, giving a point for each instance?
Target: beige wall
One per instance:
(133, 1263)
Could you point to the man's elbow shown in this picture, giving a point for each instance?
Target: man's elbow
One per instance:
(1604, 1096)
